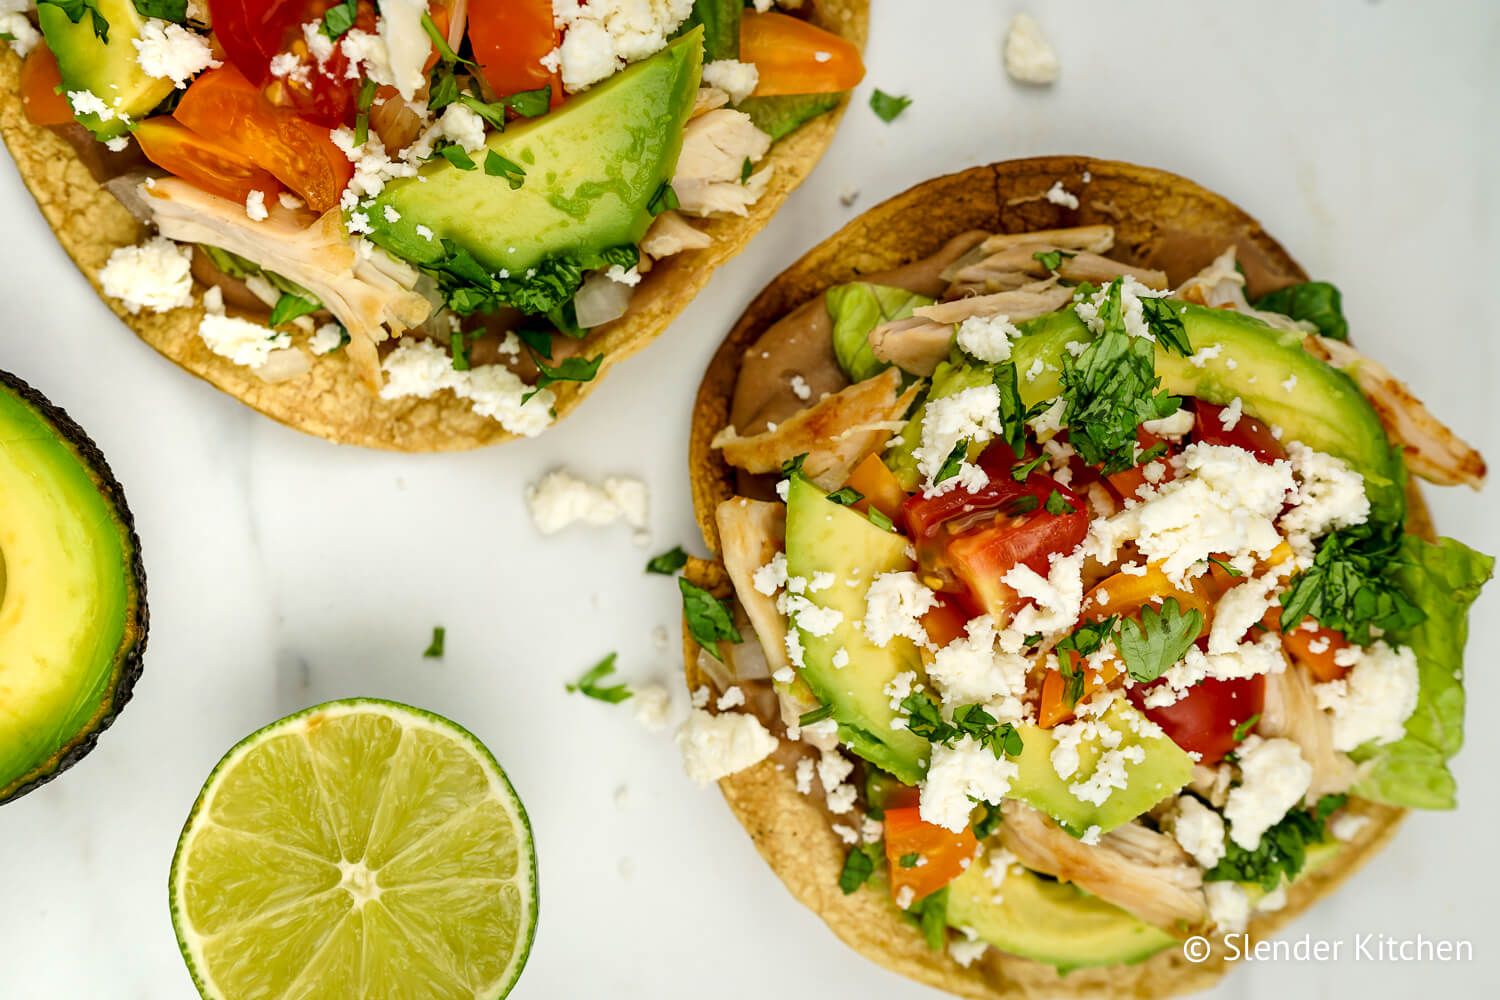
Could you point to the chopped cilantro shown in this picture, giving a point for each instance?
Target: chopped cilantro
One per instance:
(952, 463)
(1216, 561)
(458, 346)
(574, 369)
(668, 562)
(988, 821)
(1058, 504)
(167, 10)
(793, 466)
(1021, 470)
(709, 620)
(931, 914)
(498, 166)
(1351, 585)
(1050, 259)
(439, 40)
(456, 155)
(859, 865)
(745, 170)
(340, 18)
(1158, 640)
(530, 103)
(664, 200)
(879, 519)
(1282, 851)
(909, 860)
(289, 307)
(925, 719)
(589, 685)
(888, 107)
(434, 650)
(846, 496)
(1243, 729)
(1164, 320)
(1024, 504)
(815, 715)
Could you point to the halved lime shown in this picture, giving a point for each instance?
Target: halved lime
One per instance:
(359, 848)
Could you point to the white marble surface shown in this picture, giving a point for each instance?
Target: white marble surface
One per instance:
(284, 570)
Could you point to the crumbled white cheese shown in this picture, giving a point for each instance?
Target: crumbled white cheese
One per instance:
(603, 35)
(421, 369)
(407, 46)
(1056, 599)
(653, 706)
(971, 415)
(290, 66)
(86, 102)
(560, 499)
(1273, 779)
(156, 275)
(1174, 426)
(804, 775)
(1059, 195)
(1328, 495)
(1029, 57)
(1199, 830)
(1241, 607)
(326, 339)
(1110, 770)
(167, 51)
(464, 127)
(1373, 701)
(239, 340)
(372, 167)
(1222, 500)
(716, 746)
(1346, 826)
(972, 670)
(1229, 417)
(772, 576)
(800, 388)
(255, 206)
(1228, 905)
(894, 605)
(1048, 423)
(14, 23)
(1132, 312)
(733, 697)
(987, 338)
(967, 950)
(735, 78)
(959, 776)
(900, 688)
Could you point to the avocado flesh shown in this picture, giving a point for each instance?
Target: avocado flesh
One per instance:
(71, 615)
(1052, 922)
(825, 537)
(592, 168)
(1165, 768)
(1324, 409)
(108, 70)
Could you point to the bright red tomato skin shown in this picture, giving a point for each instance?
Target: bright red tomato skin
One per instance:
(1248, 433)
(509, 39)
(1203, 720)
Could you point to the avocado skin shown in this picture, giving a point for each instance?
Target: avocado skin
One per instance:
(128, 659)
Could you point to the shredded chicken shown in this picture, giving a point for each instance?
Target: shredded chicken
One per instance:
(1221, 285)
(1291, 711)
(715, 146)
(1139, 870)
(914, 344)
(370, 293)
(708, 99)
(1212, 783)
(1432, 450)
(835, 433)
(1094, 239)
(670, 233)
(1035, 298)
(750, 533)
(1005, 268)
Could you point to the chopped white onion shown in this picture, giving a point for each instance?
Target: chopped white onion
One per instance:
(282, 365)
(600, 299)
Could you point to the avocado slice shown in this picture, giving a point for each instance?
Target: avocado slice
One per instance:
(825, 537)
(1052, 922)
(592, 167)
(1164, 769)
(72, 592)
(1324, 409)
(108, 70)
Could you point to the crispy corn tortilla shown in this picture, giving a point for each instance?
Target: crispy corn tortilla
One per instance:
(330, 401)
(1161, 221)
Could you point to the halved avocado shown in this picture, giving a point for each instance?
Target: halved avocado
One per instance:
(72, 592)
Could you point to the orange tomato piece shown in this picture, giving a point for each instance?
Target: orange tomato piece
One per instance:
(202, 162)
(1311, 645)
(872, 478)
(945, 621)
(42, 99)
(510, 38)
(797, 57)
(223, 104)
(940, 854)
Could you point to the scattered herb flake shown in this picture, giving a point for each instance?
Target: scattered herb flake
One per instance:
(888, 107)
(589, 685)
(1158, 640)
(434, 650)
(668, 562)
(709, 620)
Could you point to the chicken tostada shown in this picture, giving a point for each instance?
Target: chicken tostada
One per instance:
(1072, 598)
(409, 224)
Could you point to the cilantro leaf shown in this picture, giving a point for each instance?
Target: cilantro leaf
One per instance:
(1216, 561)
(1050, 259)
(846, 496)
(1282, 851)
(529, 103)
(931, 914)
(888, 107)
(1164, 320)
(1057, 504)
(340, 18)
(1243, 729)
(879, 519)
(439, 40)
(498, 166)
(1021, 470)
(574, 369)
(952, 463)
(988, 821)
(925, 719)
(458, 346)
(457, 156)
(664, 200)
(1086, 640)
(589, 686)
(909, 860)
(289, 307)
(1158, 640)
(793, 466)
(859, 865)
(709, 619)
(434, 650)
(668, 562)
(167, 10)
(1351, 585)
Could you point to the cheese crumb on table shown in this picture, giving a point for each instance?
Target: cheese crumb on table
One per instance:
(1029, 57)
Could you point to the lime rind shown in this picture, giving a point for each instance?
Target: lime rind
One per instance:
(523, 883)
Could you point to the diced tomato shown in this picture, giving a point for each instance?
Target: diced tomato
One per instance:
(941, 854)
(1127, 482)
(510, 39)
(1203, 720)
(879, 487)
(223, 104)
(1054, 706)
(945, 620)
(42, 99)
(959, 509)
(796, 57)
(1248, 433)
(201, 161)
(253, 32)
(1311, 645)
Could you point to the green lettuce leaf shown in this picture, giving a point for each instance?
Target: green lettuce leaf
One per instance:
(1318, 302)
(1442, 579)
(856, 309)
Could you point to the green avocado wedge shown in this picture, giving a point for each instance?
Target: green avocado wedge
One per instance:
(592, 169)
(72, 592)
(109, 69)
(1048, 921)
